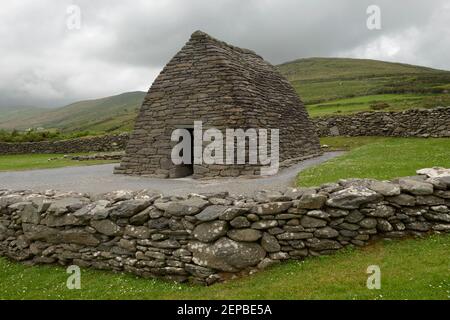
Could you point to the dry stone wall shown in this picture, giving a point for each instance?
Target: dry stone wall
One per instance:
(88, 144)
(410, 123)
(208, 238)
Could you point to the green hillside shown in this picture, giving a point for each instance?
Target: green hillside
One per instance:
(343, 85)
(115, 113)
(324, 79)
(8, 114)
(326, 85)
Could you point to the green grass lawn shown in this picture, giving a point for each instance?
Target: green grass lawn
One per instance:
(41, 161)
(410, 269)
(377, 157)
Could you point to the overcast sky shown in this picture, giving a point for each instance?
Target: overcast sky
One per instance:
(122, 45)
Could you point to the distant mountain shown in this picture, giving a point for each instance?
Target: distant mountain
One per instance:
(326, 85)
(13, 114)
(324, 79)
(105, 114)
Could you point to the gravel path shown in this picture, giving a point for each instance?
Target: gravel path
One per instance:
(99, 179)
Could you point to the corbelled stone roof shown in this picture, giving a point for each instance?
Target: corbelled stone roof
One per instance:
(223, 86)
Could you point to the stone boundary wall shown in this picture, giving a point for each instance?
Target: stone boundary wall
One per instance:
(212, 237)
(86, 144)
(410, 123)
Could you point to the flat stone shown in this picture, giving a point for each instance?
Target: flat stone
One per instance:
(434, 172)
(232, 212)
(106, 227)
(166, 244)
(442, 209)
(240, 222)
(79, 236)
(337, 213)
(211, 212)
(264, 224)
(141, 218)
(326, 232)
(443, 217)
(318, 214)
(129, 208)
(429, 200)
(270, 243)
(271, 208)
(384, 226)
(381, 211)
(30, 214)
(310, 222)
(68, 204)
(43, 233)
(67, 219)
(294, 235)
(323, 244)
(368, 223)
(385, 188)
(311, 200)
(403, 200)
(158, 223)
(301, 253)
(139, 232)
(294, 193)
(98, 210)
(128, 245)
(354, 216)
(189, 206)
(210, 231)
(442, 227)
(226, 254)
(415, 187)
(352, 197)
(246, 235)
(296, 244)
(349, 226)
(198, 271)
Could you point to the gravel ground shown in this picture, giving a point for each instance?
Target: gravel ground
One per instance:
(100, 179)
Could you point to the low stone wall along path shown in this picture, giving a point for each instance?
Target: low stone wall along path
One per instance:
(210, 237)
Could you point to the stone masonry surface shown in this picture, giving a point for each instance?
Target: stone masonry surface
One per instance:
(88, 144)
(225, 87)
(410, 123)
(212, 237)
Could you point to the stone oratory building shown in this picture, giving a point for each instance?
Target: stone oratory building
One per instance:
(224, 87)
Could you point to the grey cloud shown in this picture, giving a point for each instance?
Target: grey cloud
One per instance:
(121, 46)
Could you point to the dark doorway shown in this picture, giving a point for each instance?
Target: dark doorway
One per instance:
(185, 169)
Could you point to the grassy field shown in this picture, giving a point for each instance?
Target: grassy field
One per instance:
(378, 157)
(42, 161)
(325, 79)
(410, 269)
(339, 85)
(392, 102)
